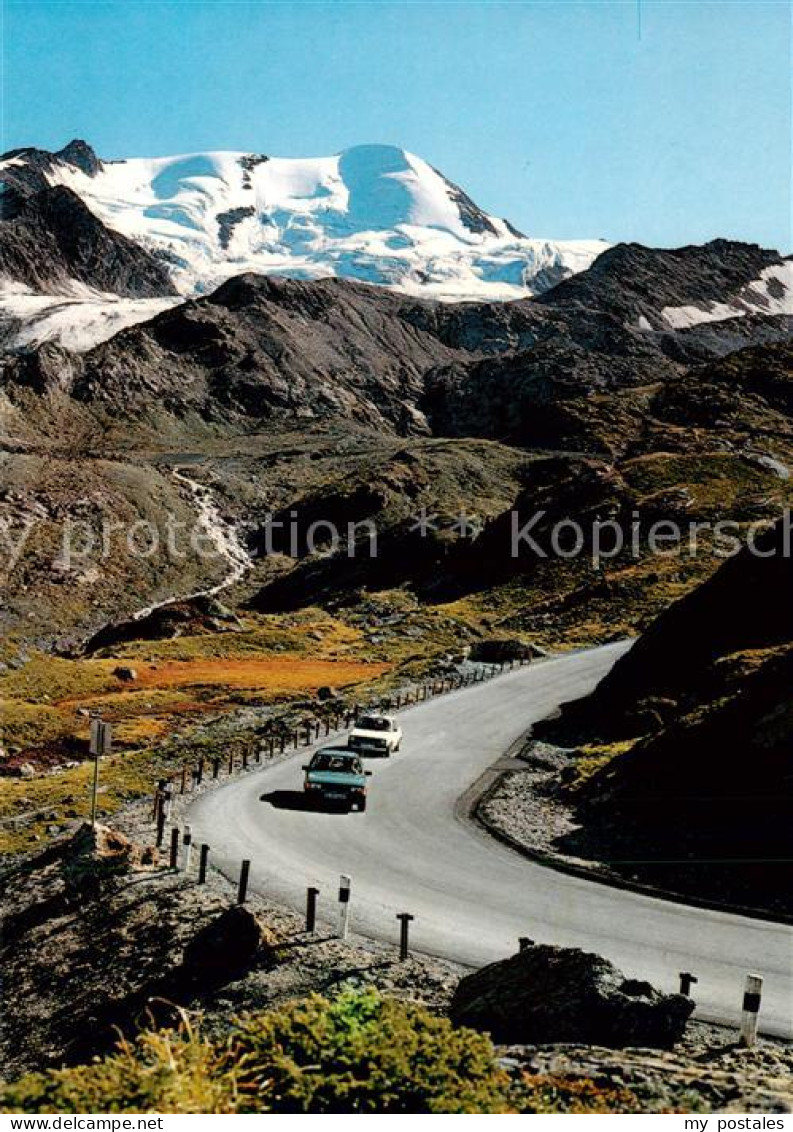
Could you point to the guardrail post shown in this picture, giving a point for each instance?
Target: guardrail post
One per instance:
(404, 922)
(242, 890)
(751, 1009)
(345, 884)
(686, 981)
(158, 799)
(202, 864)
(311, 909)
(174, 861)
(215, 767)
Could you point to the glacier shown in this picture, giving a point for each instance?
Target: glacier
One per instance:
(374, 213)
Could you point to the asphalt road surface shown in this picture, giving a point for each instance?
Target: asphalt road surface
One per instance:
(472, 896)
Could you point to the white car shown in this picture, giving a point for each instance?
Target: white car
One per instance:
(375, 735)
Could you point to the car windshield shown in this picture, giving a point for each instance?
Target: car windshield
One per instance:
(335, 760)
(374, 723)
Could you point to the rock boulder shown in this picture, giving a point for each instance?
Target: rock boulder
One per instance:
(495, 650)
(227, 947)
(555, 994)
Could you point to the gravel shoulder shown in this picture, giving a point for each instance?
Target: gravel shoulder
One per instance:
(518, 801)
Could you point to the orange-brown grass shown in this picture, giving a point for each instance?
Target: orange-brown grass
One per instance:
(270, 674)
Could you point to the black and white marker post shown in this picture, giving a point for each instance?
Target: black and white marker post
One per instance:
(345, 883)
(751, 1009)
(187, 848)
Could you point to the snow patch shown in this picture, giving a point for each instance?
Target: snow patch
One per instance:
(77, 321)
(770, 294)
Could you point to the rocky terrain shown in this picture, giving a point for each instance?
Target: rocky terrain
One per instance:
(160, 487)
(676, 770)
(579, 413)
(101, 937)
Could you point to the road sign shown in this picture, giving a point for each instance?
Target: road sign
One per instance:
(100, 737)
(100, 744)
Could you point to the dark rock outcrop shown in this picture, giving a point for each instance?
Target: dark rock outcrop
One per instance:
(745, 605)
(52, 239)
(495, 650)
(226, 948)
(554, 994)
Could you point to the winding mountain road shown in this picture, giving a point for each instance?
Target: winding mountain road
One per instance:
(472, 896)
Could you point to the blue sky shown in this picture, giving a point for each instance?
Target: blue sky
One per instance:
(559, 115)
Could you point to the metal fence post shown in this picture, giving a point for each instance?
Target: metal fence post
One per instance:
(242, 890)
(202, 864)
(311, 909)
(174, 861)
(686, 980)
(404, 922)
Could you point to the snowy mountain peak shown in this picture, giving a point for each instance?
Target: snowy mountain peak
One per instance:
(375, 213)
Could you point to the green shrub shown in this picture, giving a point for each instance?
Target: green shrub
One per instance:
(160, 1072)
(363, 1053)
(357, 1053)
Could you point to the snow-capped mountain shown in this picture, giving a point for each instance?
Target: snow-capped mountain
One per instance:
(373, 213)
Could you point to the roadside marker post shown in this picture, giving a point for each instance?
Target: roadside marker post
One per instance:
(751, 1009)
(183, 783)
(174, 861)
(199, 772)
(404, 926)
(242, 891)
(202, 864)
(244, 758)
(187, 845)
(215, 767)
(311, 909)
(686, 981)
(345, 884)
(231, 761)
